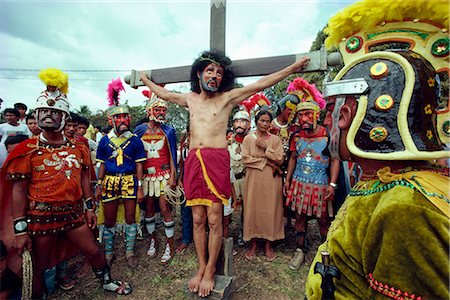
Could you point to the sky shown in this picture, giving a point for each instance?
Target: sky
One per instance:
(96, 41)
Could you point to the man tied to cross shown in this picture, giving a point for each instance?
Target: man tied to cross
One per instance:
(207, 176)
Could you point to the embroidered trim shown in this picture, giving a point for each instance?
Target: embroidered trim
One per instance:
(199, 201)
(376, 188)
(426, 193)
(390, 292)
(17, 176)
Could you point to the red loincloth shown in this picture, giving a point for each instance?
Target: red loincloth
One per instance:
(207, 176)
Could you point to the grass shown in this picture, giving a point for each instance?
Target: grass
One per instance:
(256, 279)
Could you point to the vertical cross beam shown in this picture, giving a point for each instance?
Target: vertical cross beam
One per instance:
(217, 25)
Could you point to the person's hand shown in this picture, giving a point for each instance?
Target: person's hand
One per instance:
(329, 194)
(234, 203)
(98, 193)
(22, 242)
(91, 219)
(261, 143)
(140, 194)
(171, 182)
(286, 187)
(143, 75)
(300, 64)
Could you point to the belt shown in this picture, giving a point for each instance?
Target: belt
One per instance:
(43, 206)
(240, 175)
(120, 174)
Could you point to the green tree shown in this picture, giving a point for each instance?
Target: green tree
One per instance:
(84, 111)
(178, 118)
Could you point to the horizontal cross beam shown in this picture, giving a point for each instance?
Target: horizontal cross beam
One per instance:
(319, 61)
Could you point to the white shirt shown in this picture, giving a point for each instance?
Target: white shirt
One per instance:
(7, 130)
(98, 137)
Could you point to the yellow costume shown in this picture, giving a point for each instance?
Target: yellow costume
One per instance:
(373, 258)
(390, 238)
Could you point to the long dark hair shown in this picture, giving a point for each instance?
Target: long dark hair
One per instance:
(207, 57)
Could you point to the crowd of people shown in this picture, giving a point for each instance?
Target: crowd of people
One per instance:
(62, 178)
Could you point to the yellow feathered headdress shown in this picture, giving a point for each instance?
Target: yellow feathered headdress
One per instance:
(366, 14)
(55, 77)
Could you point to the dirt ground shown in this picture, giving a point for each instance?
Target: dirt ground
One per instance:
(256, 279)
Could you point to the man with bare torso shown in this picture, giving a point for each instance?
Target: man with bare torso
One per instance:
(207, 178)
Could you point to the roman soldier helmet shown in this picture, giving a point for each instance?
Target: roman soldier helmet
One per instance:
(397, 91)
(115, 87)
(57, 98)
(153, 101)
(306, 96)
(241, 114)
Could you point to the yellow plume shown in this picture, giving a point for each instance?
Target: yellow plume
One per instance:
(55, 77)
(366, 14)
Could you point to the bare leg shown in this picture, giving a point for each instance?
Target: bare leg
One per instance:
(84, 239)
(300, 228)
(215, 213)
(199, 218)
(42, 247)
(130, 232)
(110, 211)
(270, 254)
(324, 224)
(226, 225)
(251, 251)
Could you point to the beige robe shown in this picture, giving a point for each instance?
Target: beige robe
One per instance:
(263, 205)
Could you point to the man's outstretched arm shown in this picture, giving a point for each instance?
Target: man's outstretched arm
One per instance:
(238, 94)
(163, 93)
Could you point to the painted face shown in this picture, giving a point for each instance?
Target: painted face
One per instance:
(240, 126)
(338, 124)
(51, 88)
(307, 119)
(32, 125)
(121, 122)
(50, 119)
(263, 123)
(211, 78)
(286, 113)
(70, 129)
(158, 114)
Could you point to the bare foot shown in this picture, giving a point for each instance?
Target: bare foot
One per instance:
(270, 254)
(250, 254)
(194, 282)
(206, 285)
(182, 248)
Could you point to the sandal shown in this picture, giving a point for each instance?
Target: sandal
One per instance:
(118, 286)
(249, 255)
(271, 258)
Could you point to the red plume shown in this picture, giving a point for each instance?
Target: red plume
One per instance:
(147, 93)
(257, 99)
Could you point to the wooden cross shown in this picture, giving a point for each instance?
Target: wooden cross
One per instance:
(319, 60)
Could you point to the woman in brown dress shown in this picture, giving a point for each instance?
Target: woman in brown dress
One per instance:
(262, 153)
